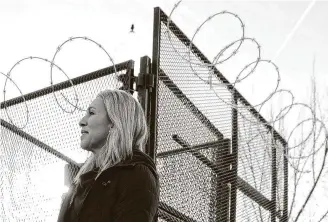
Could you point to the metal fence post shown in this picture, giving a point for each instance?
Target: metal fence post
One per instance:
(144, 83)
(234, 151)
(274, 179)
(285, 205)
(141, 84)
(152, 148)
(223, 179)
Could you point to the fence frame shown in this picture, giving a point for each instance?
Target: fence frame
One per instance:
(235, 181)
(71, 167)
(128, 65)
(147, 85)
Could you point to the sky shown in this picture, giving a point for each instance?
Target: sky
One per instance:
(37, 28)
(293, 33)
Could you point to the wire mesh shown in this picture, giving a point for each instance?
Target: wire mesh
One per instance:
(195, 156)
(249, 210)
(254, 153)
(282, 184)
(185, 107)
(34, 159)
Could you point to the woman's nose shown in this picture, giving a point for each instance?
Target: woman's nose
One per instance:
(82, 122)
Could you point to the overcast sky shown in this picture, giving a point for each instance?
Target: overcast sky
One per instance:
(292, 32)
(37, 28)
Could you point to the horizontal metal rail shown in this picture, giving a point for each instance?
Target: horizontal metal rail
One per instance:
(66, 84)
(175, 213)
(185, 40)
(36, 142)
(209, 145)
(188, 104)
(242, 185)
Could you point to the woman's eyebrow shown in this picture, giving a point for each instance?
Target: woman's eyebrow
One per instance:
(91, 107)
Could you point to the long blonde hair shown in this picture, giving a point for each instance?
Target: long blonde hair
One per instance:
(129, 131)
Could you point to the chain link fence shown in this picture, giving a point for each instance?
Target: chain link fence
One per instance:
(216, 161)
(33, 159)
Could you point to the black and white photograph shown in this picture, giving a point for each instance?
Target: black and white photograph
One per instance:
(163, 111)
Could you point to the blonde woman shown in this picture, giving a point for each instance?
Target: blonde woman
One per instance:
(118, 182)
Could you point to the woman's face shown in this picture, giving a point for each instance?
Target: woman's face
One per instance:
(95, 126)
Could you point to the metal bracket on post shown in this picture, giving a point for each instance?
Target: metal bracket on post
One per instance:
(145, 82)
(128, 78)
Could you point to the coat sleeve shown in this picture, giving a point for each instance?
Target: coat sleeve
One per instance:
(138, 196)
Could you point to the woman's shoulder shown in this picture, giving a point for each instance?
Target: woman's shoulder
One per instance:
(137, 172)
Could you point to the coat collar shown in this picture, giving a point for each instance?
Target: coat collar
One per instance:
(138, 157)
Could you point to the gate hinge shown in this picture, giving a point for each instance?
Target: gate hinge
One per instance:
(145, 81)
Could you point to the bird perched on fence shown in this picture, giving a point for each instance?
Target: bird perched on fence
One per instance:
(132, 28)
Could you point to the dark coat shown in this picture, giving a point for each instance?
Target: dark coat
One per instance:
(126, 192)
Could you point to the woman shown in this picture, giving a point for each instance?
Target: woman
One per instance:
(118, 182)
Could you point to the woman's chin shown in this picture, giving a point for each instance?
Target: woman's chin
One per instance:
(84, 147)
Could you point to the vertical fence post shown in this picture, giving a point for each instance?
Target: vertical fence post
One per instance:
(127, 78)
(234, 151)
(152, 147)
(141, 84)
(274, 178)
(131, 76)
(219, 203)
(285, 205)
(224, 176)
(152, 106)
(144, 85)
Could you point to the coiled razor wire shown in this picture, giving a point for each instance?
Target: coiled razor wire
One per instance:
(70, 40)
(238, 80)
(52, 64)
(216, 61)
(20, 91)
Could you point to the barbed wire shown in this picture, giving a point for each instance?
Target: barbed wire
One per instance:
(219, 55)
(120, 78)
(4, 98)
(74, 104)
(71, 39)
(217, 60)
(238, 80)
(51, 64)
(283, 111)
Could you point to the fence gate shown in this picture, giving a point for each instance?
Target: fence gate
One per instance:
(33, 158)
(209, 169)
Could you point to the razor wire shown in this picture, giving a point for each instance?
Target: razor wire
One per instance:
(216, 61)
(217, 57)
(73, 103)
(52, 64)
(4, 93)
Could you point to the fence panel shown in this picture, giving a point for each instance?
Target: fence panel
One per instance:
(33, 158)
(201, 142)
